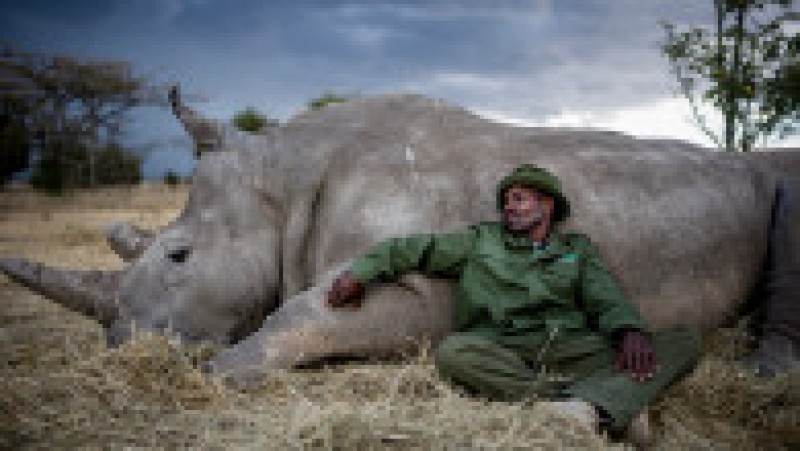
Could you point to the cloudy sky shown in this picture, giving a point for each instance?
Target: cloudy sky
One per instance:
(584, 63)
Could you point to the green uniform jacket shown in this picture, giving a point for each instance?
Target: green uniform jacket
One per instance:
(520, 295)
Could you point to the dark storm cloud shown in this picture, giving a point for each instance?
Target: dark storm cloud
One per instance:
(526, 59)
(554, 54)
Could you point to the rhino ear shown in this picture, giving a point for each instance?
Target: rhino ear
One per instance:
(127, 240)
(206, 132)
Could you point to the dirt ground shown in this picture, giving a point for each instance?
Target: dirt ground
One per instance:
(60, 386)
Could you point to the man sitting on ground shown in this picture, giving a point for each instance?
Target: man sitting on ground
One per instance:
(531, 298)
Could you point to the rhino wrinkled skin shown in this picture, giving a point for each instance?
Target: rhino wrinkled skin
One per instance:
(272, 218)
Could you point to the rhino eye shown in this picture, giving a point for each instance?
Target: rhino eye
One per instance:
(178, 255)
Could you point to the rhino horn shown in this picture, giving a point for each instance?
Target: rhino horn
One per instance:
(205, 132)
(92, 293)
(127, 240)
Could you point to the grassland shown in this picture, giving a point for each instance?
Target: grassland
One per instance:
(61, 387)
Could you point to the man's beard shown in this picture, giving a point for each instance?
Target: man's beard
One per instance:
(523, 224)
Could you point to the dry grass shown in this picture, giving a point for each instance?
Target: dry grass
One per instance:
(61, 387)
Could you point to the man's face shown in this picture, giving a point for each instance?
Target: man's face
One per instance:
(525, 209)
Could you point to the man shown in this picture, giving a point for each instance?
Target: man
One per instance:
(531, 299)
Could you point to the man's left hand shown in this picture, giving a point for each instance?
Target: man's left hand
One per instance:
(637, 356)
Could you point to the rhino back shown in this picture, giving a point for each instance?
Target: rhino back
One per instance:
(683, 229)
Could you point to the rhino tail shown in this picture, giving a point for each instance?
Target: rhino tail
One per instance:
(127, 240)
(206, 133)
(93, 293)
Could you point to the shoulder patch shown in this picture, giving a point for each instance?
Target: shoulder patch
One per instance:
(567, 258)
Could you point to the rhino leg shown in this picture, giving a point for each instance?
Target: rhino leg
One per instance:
(92, 293)
(127, 240)
(778, 349)
(393, 318)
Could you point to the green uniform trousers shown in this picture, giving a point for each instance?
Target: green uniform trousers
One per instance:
(490, 365)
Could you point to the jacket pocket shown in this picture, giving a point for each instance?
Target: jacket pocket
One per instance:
(560, 277)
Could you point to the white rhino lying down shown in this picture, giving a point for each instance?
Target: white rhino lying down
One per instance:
(272, 218)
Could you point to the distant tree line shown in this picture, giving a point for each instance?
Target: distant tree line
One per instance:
(60, 118)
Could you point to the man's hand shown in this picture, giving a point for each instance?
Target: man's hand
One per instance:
(637, 356)
(346, 290)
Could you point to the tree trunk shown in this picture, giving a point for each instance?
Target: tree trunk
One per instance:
(738, 69)
(730, 99)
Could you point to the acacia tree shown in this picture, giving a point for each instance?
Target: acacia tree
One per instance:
(70, 109)
(747, 67)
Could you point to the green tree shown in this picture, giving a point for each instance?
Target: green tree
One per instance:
(251, 120)
(747, 67)
(73, 164)
(116, 165)
(70, 111)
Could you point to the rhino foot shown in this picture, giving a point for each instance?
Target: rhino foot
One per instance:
(775, 355)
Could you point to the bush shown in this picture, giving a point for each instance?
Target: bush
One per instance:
(251, 120)
(68, 163)
(48, 176)
(327, 98)
(116, 166)
(61, 164)
(171, 178)
(14, 150)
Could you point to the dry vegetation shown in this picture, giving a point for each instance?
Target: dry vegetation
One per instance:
(61, 387)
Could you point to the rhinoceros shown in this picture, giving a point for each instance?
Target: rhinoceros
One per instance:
(273, 217)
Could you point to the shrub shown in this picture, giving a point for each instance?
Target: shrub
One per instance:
(251, 120)
(69, 163)
(171, 178)
(327, 98)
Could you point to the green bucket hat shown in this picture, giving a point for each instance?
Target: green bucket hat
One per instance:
(542, 180)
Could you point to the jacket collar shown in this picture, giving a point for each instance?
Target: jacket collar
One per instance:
(554, 246)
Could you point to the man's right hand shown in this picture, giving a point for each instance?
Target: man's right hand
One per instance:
(345, 291)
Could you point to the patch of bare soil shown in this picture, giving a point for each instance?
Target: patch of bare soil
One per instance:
(60, 386)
